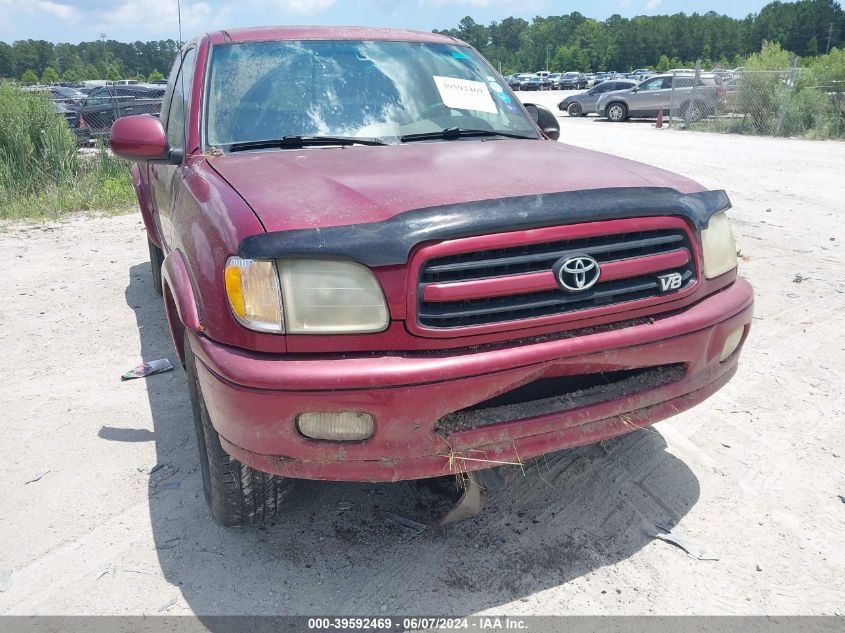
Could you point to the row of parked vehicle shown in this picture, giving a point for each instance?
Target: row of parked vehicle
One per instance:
(676, 93)
(91, 109)
(545, 80)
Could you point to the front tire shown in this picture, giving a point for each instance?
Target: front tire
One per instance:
(574, 109)
(617, 112)
(236, 494)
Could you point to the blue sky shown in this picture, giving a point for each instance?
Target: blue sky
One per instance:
(129, 20)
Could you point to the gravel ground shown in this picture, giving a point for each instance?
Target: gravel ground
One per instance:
(754, 475)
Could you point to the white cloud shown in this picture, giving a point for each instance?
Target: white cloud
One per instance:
(46, 9)
(161, 17)
(305, 7)
(64, 12)
(653, 4)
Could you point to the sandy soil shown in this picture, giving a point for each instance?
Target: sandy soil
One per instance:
(754, 475)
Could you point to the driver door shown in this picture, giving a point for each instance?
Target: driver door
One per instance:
(163, 175)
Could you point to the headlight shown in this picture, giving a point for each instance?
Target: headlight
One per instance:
(252, 287)
(719, 246)
(322, 297)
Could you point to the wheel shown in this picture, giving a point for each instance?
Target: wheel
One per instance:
(697, 112)
(574, 109)
(156, 261)
(235, 493)
(617, 112)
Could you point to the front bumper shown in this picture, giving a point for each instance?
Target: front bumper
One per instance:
(253, 399)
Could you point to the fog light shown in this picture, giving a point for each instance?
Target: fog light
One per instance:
(731, 343)
(344, 426)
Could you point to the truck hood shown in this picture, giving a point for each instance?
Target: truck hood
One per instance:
(320, 187)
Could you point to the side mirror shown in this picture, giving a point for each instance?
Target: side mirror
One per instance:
(635, 89)
(545, 119)
(140, 138)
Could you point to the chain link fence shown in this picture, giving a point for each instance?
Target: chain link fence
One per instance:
(90, 117)
(785, 102)
(97, 114)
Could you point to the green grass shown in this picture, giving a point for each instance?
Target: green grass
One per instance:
(106, 188)
(42, 175)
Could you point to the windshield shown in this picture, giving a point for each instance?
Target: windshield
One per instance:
(385, 90)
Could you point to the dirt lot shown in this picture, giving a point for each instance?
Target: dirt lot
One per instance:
(754, 475)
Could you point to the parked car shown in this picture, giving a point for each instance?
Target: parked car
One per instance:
(513, 81)
(534, 83)
(66, 95)
(573, 81)
(68, 109)
(647, 98)
(105, 104)
(362, 289)
(69, 113)
(640, 74)
(524, 79)
(554, 78)
(545, 75)
(585, 103)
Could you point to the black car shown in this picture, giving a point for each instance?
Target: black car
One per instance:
(67, 96)
(104, 104)
(573, 81)
(514, 81)
(533, 83)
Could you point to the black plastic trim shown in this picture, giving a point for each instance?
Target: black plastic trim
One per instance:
(390, 241)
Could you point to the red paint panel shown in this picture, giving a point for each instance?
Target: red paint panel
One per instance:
(637, 266)
(493, 287)
(513, 450)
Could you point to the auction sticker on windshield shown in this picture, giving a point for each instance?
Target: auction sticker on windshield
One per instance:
(465, 94)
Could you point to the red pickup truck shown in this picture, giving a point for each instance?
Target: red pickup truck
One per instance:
(377, 265)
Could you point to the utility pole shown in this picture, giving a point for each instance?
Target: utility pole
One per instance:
(548, 53)
(105, 53)
(829, 35)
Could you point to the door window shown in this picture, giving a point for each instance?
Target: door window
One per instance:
(653, 84)
(181, 95)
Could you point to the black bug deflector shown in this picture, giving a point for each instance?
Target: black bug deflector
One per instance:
(390, 241)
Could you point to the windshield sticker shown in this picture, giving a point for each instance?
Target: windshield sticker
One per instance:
(459, 55)
(465, 94)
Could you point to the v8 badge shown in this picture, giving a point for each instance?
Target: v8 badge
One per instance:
(672, 281)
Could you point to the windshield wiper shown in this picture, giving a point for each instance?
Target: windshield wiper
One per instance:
(459, 132)
(297, 142)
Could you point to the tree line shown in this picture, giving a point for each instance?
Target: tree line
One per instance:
(39, 60)
(574, 42)
(556, 42)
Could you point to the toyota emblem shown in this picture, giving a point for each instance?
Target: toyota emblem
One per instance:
(577, 273)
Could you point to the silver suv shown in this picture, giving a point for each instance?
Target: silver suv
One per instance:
(656, 93)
